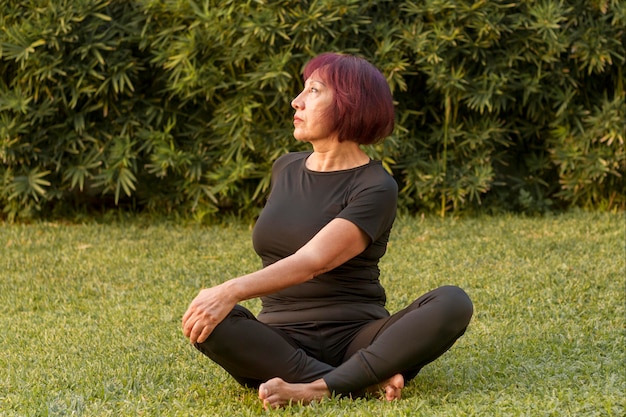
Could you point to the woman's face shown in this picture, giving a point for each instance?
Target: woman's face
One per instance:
(313, 119)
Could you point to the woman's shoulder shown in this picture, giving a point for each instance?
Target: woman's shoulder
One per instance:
(377, 174)
(289, 158)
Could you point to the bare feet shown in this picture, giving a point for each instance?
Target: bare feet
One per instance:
(393, 387)
(277, 393)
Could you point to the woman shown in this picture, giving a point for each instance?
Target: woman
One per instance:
(323, 329)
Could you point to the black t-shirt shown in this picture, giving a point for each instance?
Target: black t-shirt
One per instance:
(302, 202)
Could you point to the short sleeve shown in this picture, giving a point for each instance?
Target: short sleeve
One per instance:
(372, 207)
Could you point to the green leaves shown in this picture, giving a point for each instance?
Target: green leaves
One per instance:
(183, 106)
(520, 66)
(590, 156)
(29, 185)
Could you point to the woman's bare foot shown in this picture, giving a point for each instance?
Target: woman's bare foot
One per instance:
(277, 393)
(392, 387)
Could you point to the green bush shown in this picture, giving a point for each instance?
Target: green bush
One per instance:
(181, 106)
(524, 103)
(75, 95)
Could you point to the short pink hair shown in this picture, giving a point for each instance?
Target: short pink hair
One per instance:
(363, 110)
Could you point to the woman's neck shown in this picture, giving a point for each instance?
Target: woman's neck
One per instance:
(340, 156)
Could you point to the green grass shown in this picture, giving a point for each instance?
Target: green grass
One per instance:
(90, 318)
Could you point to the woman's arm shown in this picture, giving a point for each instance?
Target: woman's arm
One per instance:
(339, 241)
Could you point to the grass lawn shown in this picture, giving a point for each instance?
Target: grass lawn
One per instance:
(90, 318)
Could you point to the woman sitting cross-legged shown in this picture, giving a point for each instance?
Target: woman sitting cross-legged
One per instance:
(323, 329)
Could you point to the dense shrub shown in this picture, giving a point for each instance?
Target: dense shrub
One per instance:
(181, 106)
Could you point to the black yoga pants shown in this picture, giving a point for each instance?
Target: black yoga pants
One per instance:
(349, 356)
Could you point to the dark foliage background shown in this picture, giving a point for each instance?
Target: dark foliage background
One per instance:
(182, 106)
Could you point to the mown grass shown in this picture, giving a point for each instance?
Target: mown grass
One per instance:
(90, 318)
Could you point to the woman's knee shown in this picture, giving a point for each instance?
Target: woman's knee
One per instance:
(218, 341)
(458, 303)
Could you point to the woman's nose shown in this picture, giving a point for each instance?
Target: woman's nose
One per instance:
(297, 102)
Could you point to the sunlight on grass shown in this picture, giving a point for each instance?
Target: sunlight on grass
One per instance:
(90, 318)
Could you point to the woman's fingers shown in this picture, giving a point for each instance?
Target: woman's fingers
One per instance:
(197, 326)
(205, 312)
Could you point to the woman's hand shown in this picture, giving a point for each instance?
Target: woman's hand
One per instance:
(206, 311)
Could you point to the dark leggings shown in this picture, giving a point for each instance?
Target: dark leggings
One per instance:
(348, 356)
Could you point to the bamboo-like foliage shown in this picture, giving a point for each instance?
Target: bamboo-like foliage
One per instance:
(182, 106)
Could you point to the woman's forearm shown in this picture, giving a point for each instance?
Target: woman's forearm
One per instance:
(285, 273)
(335, 244)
